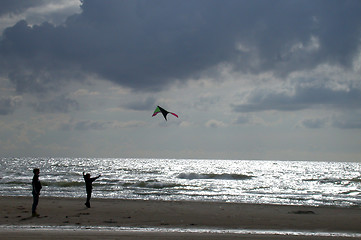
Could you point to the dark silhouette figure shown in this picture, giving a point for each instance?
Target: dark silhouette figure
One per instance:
(89, 186)
(36, 191)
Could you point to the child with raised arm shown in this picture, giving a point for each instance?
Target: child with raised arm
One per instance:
(89, 186)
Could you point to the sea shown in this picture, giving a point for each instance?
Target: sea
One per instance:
(307, 183)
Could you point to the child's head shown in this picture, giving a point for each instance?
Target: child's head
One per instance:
(87, 175)
(36, 171)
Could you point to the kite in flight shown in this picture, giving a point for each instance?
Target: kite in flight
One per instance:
(163, 111)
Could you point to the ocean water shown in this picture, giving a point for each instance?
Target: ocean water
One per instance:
(246, 181)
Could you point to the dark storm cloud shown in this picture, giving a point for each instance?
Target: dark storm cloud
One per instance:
(301, 98)
(147, 45)
(27, 56)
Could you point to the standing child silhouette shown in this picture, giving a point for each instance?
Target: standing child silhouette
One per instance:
(36, 191)
(89, 186)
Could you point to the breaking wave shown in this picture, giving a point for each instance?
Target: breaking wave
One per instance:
(153, 184)
(224, 176)
(334, 180)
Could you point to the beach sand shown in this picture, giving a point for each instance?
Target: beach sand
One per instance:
(138, 219)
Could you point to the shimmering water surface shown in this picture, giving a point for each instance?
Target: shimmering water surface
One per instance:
(248, 181)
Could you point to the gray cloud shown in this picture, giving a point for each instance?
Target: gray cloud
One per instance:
(242, 120)
(93, 125)
(302, 98)
(84, 125)
(349, 121)
(314, 123)
(9, 104)
(90, 125)
(344, 124)
(215, 124)
(147, 45)
(205, 102)
(60, 104)
(141, 105)
(17, 6)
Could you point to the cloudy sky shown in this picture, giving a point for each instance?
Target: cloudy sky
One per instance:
(248, 79)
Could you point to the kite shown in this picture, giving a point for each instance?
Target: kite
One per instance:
(163, 111)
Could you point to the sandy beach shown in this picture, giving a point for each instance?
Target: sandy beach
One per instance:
(138, 219)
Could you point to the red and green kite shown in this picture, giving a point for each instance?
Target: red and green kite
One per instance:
(163, 111)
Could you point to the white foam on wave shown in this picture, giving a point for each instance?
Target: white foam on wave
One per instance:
(225, 176)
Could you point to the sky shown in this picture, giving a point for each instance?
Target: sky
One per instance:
(272, 80)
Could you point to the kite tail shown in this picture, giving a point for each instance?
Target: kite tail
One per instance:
(173, 114)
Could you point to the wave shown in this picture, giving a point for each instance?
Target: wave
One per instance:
(357, 180)
(352, 193)
(16, 183)
(63, 184)
(224, 176)
(152, 184)
(334, 180)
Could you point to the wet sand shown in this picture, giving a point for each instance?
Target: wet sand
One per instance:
(138, 219)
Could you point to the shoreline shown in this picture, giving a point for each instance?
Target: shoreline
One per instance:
(40, 233)
(129, 215)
